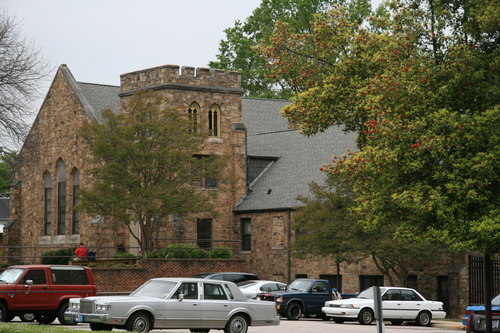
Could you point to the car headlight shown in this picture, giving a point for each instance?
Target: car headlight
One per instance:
(279, 300)
(74, 306)
(101, 307)
(346, 305)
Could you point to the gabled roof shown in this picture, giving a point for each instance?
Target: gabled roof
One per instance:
(298, 157)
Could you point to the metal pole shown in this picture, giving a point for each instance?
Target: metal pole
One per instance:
(378, 309)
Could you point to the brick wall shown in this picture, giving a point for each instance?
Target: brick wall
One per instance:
(125, 280)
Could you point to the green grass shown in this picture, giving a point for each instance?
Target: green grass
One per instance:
(33, 328)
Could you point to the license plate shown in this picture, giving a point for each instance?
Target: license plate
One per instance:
(79, 318)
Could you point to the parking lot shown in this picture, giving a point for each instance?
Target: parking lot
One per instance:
(317, 326)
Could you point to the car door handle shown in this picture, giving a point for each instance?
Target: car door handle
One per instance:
(195, 304)
(226, 305)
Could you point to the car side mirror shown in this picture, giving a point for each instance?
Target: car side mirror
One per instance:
(29, 282)
(181, 297)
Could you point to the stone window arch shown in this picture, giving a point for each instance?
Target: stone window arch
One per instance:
(61, 197)
(193, 114)
(75, 223)
(214, 120)
(47, 203)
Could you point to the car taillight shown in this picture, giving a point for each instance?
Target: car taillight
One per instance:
(469, 322)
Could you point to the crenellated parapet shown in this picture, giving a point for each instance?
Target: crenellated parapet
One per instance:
(189, 78)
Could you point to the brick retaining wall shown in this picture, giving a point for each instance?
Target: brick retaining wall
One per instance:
(125, 279)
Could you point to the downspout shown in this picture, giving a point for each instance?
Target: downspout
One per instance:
(288, 252)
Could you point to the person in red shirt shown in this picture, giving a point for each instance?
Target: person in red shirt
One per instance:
(81, 252)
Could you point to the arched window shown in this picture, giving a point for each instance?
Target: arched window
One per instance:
(193, 114)
(61, 197)
(47, 203)
(75, 227)
(214, 120)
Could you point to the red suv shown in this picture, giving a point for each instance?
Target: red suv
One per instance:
(43, 290)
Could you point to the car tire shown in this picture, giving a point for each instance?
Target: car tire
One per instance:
(237, 324)
(3, 312)
(424, 319)
(100, 327)
(27, 317)
(138, 322)
(293, 311)
(365, 317)
(60, 314)
(45, 319)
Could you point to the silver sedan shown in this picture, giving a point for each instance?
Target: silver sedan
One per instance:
(253, 287)
(175, 303)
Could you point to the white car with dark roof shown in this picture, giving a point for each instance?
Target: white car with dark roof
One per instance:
(398, 305)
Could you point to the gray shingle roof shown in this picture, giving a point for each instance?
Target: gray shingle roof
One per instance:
(101, 97)
(299, 157)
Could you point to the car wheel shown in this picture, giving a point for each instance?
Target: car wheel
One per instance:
(237, 324)
(138, 322)
(338, 321)
(293, 311)
(365, 317)
(27, 317)
(424, 319)
(3, 312)
(60, 315)
(45, 319)
(100, 327)
(396, 322)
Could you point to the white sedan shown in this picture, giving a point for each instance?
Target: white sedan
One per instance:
(251, 288)
(398, 305)
(175, 303)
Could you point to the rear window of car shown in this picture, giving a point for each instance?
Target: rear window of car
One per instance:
(64, 276)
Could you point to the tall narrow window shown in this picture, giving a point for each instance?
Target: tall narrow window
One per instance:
(204, 230)
(47, 203)
(193, 114)
(61, 198)
(76, 200)
(203, 180)
(214, 120)
(246, 234)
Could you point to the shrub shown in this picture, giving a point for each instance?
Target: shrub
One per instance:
(180, 250)
(57, 257)
(221, 252)
(124, 255)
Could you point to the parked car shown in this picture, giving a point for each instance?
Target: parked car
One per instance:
(398, 304)
(227, 276)
(302, 297)
(42, 292)
(476, 323)
(251, 288)
(495, 307)
(175, 303)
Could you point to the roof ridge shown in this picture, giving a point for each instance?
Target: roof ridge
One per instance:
(98, 84)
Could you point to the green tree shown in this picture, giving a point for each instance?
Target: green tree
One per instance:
(416, 83)
(237, 51)
(145, 162)
(6, 171)
(325, 226)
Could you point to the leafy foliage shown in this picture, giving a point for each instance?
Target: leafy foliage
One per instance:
(421, 90)
(57, 257)
(188, 251)
(237, 51)
(6, 171)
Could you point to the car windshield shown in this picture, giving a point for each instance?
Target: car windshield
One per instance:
(299, 285)
(11, 275)
(496, 300)
(369, 293)
(155, 288)
(246, 284)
